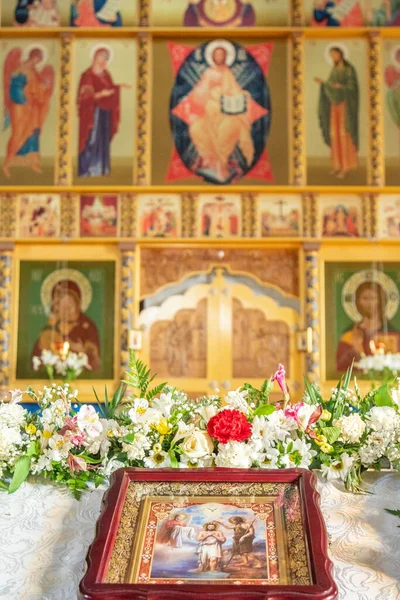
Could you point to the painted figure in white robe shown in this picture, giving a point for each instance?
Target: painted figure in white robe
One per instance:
(175, 531)
(209, 550)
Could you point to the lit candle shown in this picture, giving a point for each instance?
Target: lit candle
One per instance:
(372, 347)
(65, 350)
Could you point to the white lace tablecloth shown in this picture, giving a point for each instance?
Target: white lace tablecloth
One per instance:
(45, 534)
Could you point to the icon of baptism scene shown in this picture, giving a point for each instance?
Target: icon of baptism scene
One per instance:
(199, 299)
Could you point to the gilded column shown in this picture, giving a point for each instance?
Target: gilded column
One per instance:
(143, 131)
(64, 161)
(69, 212)
(8, 213)
(377, 168)
(128, 267)
(297, 13)
(298, 174)
(6, 255)
(312, 310)
(144, 13)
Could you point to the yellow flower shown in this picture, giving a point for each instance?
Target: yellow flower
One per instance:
(47, 434)
(326, 415)
(140, 410)
(320, 439)
(327, 448)
(110, 433)
(162, 427)
(30, 429)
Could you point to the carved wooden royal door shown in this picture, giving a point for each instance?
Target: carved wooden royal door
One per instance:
(215, 318)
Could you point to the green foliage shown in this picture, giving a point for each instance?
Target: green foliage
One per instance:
(382, 396)
(331, 433)
(139, 377)
(264, 409)
(313, 392)
(259, 397)
(21, 472)
(109, 408)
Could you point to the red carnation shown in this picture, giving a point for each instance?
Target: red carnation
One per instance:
(229, 425)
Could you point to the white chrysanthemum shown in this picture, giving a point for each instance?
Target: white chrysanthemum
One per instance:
(338, 469)
(186, 462)
(237, 401)
(12, 415)
(137, 449)
(235, 454)
(383, 417)
(269, 459)
(10, 440)
(279, 427)
(351, 428)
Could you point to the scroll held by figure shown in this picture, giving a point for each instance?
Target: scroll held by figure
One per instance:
(28, 89)
(220, 112)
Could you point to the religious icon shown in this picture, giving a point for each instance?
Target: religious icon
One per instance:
(380, 13)
(96, 13)
(339, 112)
(391, 62)
(98, 216)
(37, 13)
(279, 216)
(159, 215)
(389, 216)
(106, 118)
(59, 305)
(336, 13)
(39, 216)
(28, 81)
(219, 216)
(219, 13)
(340, 217)
(362, 312)
(220, 111)
(337, 146)
(210, 539)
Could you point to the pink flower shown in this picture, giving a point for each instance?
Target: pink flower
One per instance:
(293, 412)
(279, 377)
(76, 463)
(305, 415)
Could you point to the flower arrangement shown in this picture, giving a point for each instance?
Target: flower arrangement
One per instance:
(66, 365)
(149, 427)
(379, 366)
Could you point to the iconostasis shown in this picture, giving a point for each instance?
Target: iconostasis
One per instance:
(165, 164)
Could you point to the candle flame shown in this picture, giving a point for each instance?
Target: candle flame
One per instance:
(65, 350)
(372, 347)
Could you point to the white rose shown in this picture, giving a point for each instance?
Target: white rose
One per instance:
(197, 444)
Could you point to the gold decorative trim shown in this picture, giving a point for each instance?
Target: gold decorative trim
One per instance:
(119, 564)
(144, 13)
(308, 215)
(374, 215)
(255, 216)
(297, 13)
(377, 173)
(128, 265)
(312, 296)
(6, 256)
(298, 144)
(194, 211)
(143, 129)
(186, 212)
(8, 215)
(64, 167)
(128, 215)
(247, 215)
(366, 215)
(70, 218)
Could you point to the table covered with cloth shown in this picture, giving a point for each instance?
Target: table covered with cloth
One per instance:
(45, 534)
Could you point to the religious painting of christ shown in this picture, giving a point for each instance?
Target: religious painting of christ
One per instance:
(99, 216)
(38, 216)
(340, 217)
(382, 13)
(219, 216)
(361, 313)
(105, 109)
(337, 145)
(220, 112)
(73, 304)
(28, 138)
(219, 13)
(391, 110)
(279, 216)
(103, 13)
(159, 215)
(389, 216)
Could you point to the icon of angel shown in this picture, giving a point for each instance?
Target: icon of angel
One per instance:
(175, 530)
(28, 88)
